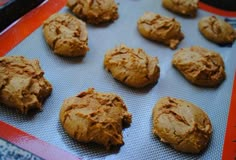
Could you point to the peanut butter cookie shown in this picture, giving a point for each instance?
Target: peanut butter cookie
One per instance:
(132, 67)
(216, 30)
(66, 35)
(183, 7)
(160, 29)
(200, 66)
(94, 11)
(22, 85)
(183, 125)
(95, 117)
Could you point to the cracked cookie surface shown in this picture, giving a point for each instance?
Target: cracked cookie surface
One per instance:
(160, 29)
(216, 30)
(200, 66)
(183, 125)
(66, 35)
(94, 11)
(132, 67)
(183, 7)
(22, 85)
(95, 117)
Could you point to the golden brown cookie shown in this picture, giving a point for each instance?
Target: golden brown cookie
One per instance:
(216, 30)
(22, 85)
(182, 7)
(132, 67)
(183, 125)
(200, 66)
(66, 35)
(94, 11)
(95, 117)
(160, 29)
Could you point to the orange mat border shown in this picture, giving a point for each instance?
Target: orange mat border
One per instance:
(27, 24)
(32, 20)
(229, 150)
(32, 144)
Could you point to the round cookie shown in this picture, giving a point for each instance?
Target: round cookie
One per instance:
(95, 117)
(183, 125)
(132, 67)
(216, 30)
(200, 66)
(182, 7)
(22, 85)
(160, 29)
(66, 35)
(94, 11)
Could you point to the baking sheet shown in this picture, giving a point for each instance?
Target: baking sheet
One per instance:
(70, 76)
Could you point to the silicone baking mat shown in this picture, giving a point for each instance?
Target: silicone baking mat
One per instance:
(70, 76)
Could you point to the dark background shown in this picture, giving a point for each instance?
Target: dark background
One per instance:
(11, 10)
(229, 5)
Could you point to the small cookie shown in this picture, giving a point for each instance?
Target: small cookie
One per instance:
(182, 7)
(183, 125)
(66, 35)
(132, 67)
(161, 29)
(22, 85)
(216, 30)
(94, 11)
(200, 66)
(95, 117)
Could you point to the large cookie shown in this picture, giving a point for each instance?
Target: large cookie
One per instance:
(132, 67)
(66, 35)
(183, 125)
(95, 117)
(200, 66)
(182, 7)
(22, 85)
(94, 11)
(216, 30)
(160, 29)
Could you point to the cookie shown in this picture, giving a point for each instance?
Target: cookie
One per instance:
(132, 67)
(216, 30)
(66, 35)
(183, 125)
(200, 66)
(160, 29)
(95, 117)
(182, 7)
(94, 11)
(22, 84)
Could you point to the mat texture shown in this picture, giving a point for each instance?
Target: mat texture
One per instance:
(70, 76)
